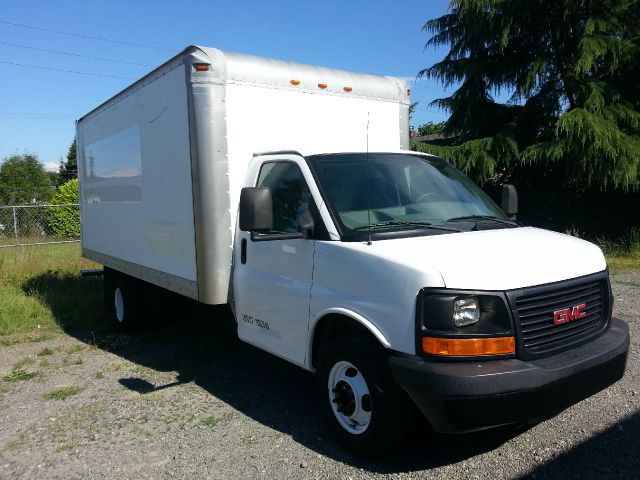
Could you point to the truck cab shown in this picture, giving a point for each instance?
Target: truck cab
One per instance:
(403, 285)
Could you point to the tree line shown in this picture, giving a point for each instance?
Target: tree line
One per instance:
(546, 97)
(24, 180)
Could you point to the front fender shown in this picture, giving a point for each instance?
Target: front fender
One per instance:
(375, 331)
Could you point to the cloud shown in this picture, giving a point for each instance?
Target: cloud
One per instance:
(51, 166)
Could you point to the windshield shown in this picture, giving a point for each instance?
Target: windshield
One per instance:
(400, 190)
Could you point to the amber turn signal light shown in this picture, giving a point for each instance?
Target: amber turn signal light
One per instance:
(201, 67)
(468, 346)
(294, 82)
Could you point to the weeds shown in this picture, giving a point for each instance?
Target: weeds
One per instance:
(23, 363)
(72, 361)
(622, 253)
(627, 244)
(40, 338)
(18, 375)
(66, 446)
(42, 289)
(45, 351)
(213, 421)
(74, 348)
(17, 339)
(62, 393)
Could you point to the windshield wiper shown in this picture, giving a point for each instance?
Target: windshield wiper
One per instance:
(405, 224)
(483, 217)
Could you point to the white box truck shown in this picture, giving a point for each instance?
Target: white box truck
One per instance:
(287, 191)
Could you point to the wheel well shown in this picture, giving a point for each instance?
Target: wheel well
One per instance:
(333, 326)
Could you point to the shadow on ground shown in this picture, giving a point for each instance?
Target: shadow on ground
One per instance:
(201, 344)
(610, 454)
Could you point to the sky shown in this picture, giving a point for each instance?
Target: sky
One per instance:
(47, 80)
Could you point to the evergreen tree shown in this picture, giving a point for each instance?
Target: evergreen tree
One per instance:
(431, 128)
(69, 168)
(567, 71)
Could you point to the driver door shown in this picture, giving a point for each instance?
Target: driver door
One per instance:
(273, 274)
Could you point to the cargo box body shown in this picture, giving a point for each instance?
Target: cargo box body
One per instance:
(162, 163)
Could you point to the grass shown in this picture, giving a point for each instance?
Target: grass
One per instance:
(622, 253)
(78, 347)
(23, 363)
(17, 339)
(621, 262)
(72, 361)
(41, 289)
(42, 292)
(213, 421)
(18, 375)
(62, 393)
(66, 446)
(45, 351)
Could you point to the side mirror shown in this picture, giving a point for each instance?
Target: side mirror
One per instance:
(256, 210)
(509, 200)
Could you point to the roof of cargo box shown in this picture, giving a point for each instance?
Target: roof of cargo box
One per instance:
(241, 68)
(230, 67)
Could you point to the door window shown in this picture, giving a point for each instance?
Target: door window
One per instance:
(289, 192)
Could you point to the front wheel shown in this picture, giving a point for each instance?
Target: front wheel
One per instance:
(368, 411)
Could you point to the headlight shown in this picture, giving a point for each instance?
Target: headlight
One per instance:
(461, 314)
(482, 324)
(466, 311)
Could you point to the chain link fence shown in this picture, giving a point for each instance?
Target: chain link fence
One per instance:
(23, 225)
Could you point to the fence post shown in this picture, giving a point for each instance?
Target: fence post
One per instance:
(15, 226)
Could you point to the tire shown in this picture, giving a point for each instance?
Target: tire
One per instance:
(367, 410)
(123, 298)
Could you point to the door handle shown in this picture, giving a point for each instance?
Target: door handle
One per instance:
(243, 251)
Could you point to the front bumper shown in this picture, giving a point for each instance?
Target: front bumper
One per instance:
(467, 396)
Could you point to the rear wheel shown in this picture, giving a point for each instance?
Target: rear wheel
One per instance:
(123, 298)
(368, 411)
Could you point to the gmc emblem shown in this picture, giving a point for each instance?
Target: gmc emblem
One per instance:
(569, 314)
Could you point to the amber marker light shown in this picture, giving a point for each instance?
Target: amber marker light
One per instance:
(459, 347)
(322, 85)
(347, 89)
(201, 67)
(294, 82)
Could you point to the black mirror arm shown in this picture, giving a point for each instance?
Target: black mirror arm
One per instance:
(306, 224)
(509, 200)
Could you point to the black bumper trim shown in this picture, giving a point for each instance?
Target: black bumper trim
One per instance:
(457, 397)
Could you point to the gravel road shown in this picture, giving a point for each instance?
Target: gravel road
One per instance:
(188, 400)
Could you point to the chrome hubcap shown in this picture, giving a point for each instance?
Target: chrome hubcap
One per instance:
(119, 305)
(349, 397)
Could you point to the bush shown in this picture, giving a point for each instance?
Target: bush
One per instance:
(64, 221)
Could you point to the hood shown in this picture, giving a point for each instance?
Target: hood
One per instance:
(501, 259)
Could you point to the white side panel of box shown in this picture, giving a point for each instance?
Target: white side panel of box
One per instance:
(261, 119)
(135, 177)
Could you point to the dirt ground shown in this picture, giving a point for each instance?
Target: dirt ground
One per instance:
(188, 400)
